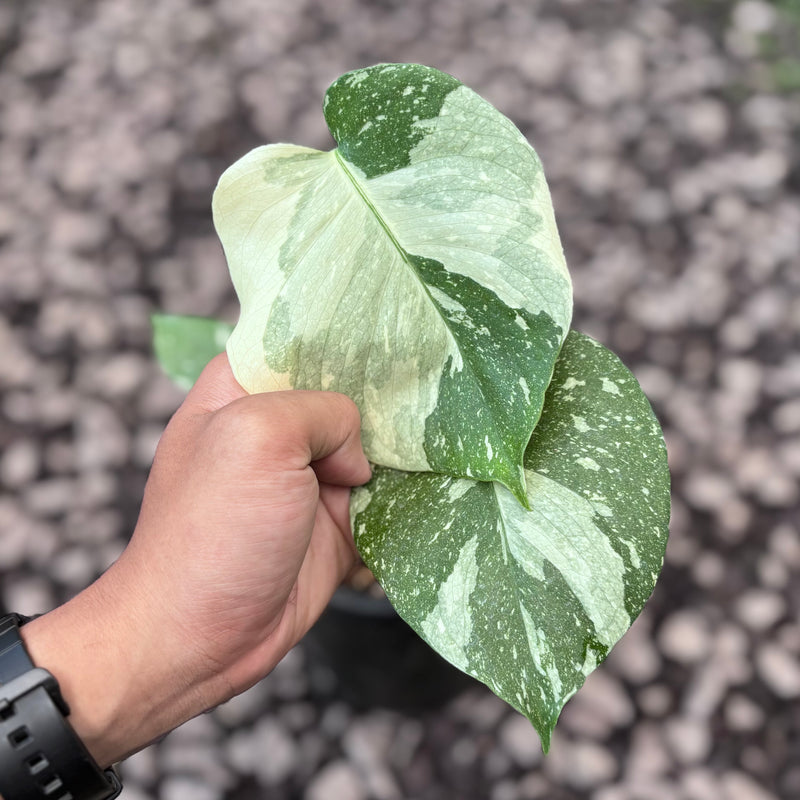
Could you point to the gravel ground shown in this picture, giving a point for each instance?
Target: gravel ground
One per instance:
(673, 159)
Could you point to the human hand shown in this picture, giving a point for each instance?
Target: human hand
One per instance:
(242, 538)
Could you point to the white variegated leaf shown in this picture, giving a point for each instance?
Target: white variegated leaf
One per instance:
(530, 601)
(416, 268)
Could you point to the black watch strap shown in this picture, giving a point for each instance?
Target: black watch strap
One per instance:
(41, 756)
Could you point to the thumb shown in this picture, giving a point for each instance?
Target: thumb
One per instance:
(216, 387)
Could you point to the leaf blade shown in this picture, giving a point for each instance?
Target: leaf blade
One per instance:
(352, 270)
(530, 602)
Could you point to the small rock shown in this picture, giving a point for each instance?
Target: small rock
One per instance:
(14, 541)
(708, 491)
(582, 765)
(407, 741)
(772, 572)
(78, 231)
(688, 739)
(141, 767)
(276, 752)
(18, 367)
(245, 707)
(789, 637)
(464, 751)
(599, 707)
(790, 783)
(779, 670)
(648, 757)
(706, 689)
(521, 741)
(505, 790)
(740, 786)
(760, 609)
(496, 764)
(133, 792)
(337, 780)
(28, 596)
(652, 206)
(789, 455)
(634, 657)
(700, 784)
(705, 121)
(96, 528)
(160, 398)
(742, 714)
(50, 498)
(198, 730)
(709, 569)
(182, 788)
(20, 463)
(730, 210)
(74, 567)
(335, 720)
(145, 442)
(763, 171)
(685, 637)
(655, 700)
(784, 542)
(97, 488)
(289, 680)
(766, 113)
(116, 377)
(241, 751)
(369, 738)
(101, 440)
(480, 708)
(201, 761)
(534, 786)
(741, 378)
(367, 744)
(754, 16)
(298, 716)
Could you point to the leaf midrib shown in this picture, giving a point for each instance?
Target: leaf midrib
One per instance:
(465, 355)
(381, 221)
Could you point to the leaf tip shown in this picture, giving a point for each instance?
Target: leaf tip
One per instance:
(515, 483)
(544, 731)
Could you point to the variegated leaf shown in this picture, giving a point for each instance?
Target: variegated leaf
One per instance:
(183, 345)
(531, 601)
(417, 268)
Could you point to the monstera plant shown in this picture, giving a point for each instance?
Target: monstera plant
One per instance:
(517, 515)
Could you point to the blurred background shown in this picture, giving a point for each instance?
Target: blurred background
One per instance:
(669, 133)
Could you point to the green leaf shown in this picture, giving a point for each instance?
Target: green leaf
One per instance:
(417, 268)
(531, 601)
(184, 345)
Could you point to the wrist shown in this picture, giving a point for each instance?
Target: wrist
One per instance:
(114, 670)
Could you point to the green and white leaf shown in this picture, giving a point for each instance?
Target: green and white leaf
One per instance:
(183, 345)
(531, 601)
(416, 268)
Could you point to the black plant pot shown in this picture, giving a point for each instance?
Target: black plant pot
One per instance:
(362, 652)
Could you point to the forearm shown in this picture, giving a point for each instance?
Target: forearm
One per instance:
(118, 670)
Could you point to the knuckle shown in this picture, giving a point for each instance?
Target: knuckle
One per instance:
(346, 408)
(244, 425)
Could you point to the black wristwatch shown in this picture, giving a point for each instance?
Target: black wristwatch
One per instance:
(41, 756)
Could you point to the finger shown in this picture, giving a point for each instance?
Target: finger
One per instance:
(331, 555)
(322, 429)
(216, 387)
